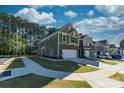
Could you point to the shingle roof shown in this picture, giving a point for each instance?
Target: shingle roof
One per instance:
(83, 36)
(94, 42)
(112, 46)
(103, 41)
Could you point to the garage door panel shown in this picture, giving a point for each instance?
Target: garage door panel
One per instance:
(87, 53)
(69, 53)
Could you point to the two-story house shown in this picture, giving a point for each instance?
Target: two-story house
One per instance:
(64, 43)
(86, 46)
(102, 47)
(113, 49)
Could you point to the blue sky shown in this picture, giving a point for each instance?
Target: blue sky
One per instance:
(100, 22)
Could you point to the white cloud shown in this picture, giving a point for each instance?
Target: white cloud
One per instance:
(49, 6)
(90, 13)
(111, 10)
(116, 40)
(62, 6)
(70, 14)
(36, 6)
(49, 26)
(99, 24)
(33, 15)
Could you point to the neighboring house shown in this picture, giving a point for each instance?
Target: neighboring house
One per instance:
(86, 46)
(113, 49)
(64, 43)
(96, 47)
(102, 47)
(122, 45)
(120, 51)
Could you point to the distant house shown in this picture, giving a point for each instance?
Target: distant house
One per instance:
(62, 44)
(122, 45)
(102, 47)
(86, 46)
(113, 49)
(96, 47)
(120, 51)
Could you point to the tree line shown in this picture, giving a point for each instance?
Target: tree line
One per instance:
(18, 36)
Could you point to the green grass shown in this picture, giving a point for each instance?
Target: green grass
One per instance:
(117, 60)
(16, 63)
(36, 81)
(118, 76)
(67, 66)
(106, 62)
(67, 84)
(92, 59)
(84, 69)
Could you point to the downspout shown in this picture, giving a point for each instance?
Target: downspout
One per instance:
(58, 46)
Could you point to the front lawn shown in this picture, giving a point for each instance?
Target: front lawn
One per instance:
(92, 59)
(107, 62)
(67, 84)
(67, 66)
(117, 60)
(118, 76)
(16, 64)
(36, 81)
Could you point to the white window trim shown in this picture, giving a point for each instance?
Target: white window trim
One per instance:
(73, 42)
(65, 37)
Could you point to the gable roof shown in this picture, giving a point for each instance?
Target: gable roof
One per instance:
(103, 41)
(112, 46)
(83, 36)
(61, 29)
(94, 42)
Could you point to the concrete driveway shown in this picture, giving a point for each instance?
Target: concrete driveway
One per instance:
(85, 61)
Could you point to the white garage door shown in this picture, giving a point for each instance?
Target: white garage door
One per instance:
(69, 53)
(87, 54)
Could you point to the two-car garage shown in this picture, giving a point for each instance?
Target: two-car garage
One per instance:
(69, 53)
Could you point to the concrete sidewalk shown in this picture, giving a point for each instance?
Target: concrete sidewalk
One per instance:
(37, 69)
(16, 72)
(106, 83)
(85, 62)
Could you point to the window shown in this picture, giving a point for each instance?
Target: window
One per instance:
(64, 38)
(74, 40)
(86, 43)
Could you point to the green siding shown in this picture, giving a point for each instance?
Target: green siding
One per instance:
(60, 37)
(51, 46)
